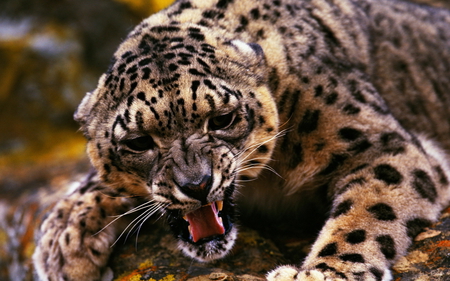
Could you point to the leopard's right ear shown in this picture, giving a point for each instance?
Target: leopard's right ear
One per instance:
(83, 112)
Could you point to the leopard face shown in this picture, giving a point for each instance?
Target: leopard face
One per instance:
(178, 120)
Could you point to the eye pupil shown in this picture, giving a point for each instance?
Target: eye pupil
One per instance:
(140, 144)
(221, 122)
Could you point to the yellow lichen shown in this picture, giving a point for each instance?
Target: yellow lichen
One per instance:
(146, 264)
(146, 7)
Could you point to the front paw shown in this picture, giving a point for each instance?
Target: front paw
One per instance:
(71, 246)
(324, 272)
(288, 273)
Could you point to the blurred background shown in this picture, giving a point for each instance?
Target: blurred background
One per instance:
(51, 53)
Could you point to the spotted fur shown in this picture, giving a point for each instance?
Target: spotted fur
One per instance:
(297, 104)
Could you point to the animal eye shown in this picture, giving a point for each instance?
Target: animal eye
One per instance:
(221, 122)
(140, 144)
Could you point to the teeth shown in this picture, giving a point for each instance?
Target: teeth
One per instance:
(185, 218)
(221, 220)
(219, 205)
(189, 228)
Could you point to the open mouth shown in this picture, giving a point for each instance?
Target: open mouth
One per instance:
(210, 222)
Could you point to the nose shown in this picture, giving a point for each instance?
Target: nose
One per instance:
(198, 191)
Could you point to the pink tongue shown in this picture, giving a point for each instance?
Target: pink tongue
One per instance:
(204, 222)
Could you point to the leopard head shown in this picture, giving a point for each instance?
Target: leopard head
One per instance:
(178, 119)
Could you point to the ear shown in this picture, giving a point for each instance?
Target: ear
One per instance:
(249, 54)
(83, 111)
(246, 59)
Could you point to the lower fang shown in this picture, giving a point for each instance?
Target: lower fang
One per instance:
(219, 205)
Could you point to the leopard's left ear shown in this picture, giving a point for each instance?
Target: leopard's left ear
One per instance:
(251, 54)
(245, 56)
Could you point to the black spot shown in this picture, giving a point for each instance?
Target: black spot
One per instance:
(415, 226)
(335, 162)
(349, 134)
(392, 143)
(328, 250)
(309, 122)
(350, 109)
(356, 236)
(145, 62)
(147, 72)
(352, 258)
(360, 146)
(377, 273)
(325, 267)
(169, 56)
(173, 67)
(318, 90)
(442, 177)
(342, 208)
(161, 29)
(154, 113)
(223, 4)
(67, 238)
(359, 168)
(387, 246)
(107, 168)
(141, 96)
(209, 84)
(263, 149)
(196, 72)
(274, 81)
(423, 184)
(60, 214)
(211, 102)
(331, 98)
(260, 34)
(359, 276)
(388, 174)
(359, 96)
(254, 13)
(296, 155)
(194, 88)
(383, 212)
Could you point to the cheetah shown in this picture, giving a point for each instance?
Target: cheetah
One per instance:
(275, 107)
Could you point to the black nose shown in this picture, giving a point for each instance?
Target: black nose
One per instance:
(198, 191)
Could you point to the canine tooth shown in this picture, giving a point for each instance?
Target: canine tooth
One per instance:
(219, 205)
(185, 218)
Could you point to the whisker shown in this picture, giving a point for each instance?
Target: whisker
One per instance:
(131, 224)
(135, 209)
(254, 147)
(138, 230)
(147, 213)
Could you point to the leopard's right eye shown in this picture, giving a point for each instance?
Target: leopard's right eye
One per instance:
(140, 144)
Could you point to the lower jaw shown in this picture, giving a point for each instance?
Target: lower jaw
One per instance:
(211, 250)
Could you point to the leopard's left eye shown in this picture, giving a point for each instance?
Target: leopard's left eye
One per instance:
(140, 144)
(221, 122)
